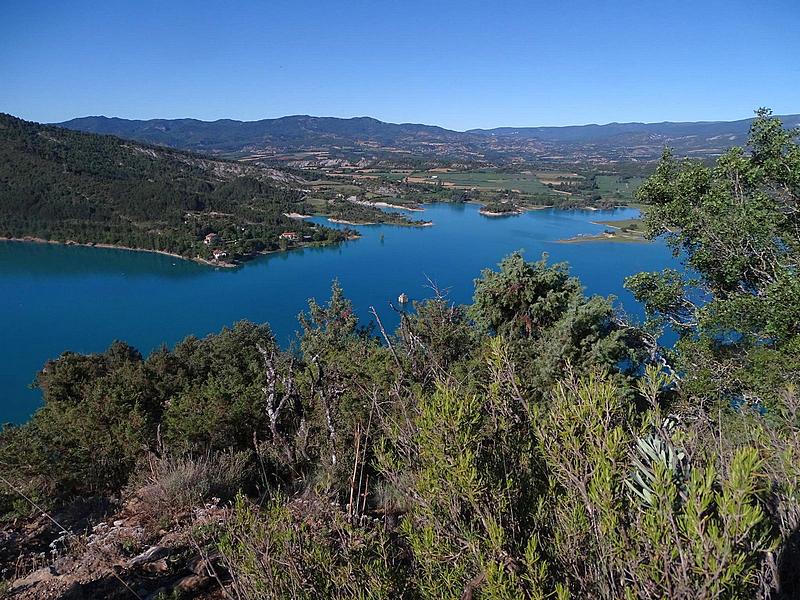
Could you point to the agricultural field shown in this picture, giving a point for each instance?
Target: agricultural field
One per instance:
(618, 185)
(558, 177)
(525, 188)
(385, 175)
(525, 182)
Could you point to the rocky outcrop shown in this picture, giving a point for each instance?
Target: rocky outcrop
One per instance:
(127, 554)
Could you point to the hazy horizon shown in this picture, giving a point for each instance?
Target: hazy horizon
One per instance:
(516, 126)
(458, 65)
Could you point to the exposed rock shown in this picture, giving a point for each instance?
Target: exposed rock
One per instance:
(148, 556)
(43, 574)
(158, 566)
(191, 584)
(200, 565)
(112, 557)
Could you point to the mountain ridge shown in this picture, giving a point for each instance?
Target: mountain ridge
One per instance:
(409, 123)
(593, 142)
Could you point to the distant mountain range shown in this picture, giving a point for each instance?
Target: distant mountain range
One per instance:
(614, 141)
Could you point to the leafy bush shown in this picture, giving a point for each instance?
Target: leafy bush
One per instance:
(307, 549)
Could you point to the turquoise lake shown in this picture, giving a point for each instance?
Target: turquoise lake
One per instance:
(56, 298)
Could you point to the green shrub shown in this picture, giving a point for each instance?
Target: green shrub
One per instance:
(307, 549)
(171, 485)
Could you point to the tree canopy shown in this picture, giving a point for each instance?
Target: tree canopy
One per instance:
(737, 227)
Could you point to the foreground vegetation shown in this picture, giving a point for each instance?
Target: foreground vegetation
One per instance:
(534, 444)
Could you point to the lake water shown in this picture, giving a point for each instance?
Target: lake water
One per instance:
(56, 298)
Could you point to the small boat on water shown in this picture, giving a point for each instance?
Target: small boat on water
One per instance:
(402, 298)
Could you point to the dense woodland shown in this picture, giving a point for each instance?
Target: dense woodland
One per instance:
(534, 444)
(62, 185)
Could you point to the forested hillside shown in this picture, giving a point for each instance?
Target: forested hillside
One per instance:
(228, 135)
(613, 141)
(534, 444)
(62, 185)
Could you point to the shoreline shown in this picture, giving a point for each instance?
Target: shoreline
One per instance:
(409, 224)
(197, 260)
(381, 204)
(38, 240)
(235, 265)
(601, 224)
(343, 222)
(593, 237)
(521, 209)
(491, 213)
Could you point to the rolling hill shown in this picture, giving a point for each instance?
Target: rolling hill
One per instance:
(62, 185)
(614, 141)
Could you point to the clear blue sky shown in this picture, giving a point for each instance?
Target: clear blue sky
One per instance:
(459, 64)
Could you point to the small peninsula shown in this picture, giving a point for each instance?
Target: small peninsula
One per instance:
(500, 209)
(625, 230)
(351, 211)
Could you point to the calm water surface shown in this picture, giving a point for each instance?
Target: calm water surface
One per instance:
(55, 298)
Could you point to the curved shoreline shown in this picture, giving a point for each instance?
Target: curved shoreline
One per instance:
(38, 240)
(343, 222)
(602, 237)
(381, 204)
(409, 224)
(198, 260)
